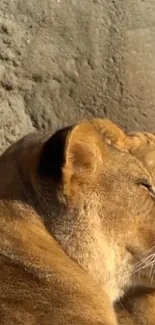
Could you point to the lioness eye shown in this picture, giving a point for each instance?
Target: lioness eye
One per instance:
(146, 185)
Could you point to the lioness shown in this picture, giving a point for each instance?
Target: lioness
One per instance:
(77, 218)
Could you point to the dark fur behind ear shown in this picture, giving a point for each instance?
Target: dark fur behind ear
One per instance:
(53, 156)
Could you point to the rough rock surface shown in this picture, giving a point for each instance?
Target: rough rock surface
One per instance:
(62, 60)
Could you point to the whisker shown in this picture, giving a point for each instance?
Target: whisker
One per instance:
(151, 271)
(144, 262)
(152, 263)
(147, 258)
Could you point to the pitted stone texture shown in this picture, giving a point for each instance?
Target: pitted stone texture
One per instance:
(62, 60)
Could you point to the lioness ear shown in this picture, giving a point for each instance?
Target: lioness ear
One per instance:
(72, 152)
(52, 157)
(111, 132)
(85, 152)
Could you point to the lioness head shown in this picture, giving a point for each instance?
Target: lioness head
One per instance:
(94, 197)
(137, 306)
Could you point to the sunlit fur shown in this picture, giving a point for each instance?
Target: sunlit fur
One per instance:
(77, 226)
(138, 306)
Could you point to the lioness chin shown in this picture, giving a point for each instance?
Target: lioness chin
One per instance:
(77, 218)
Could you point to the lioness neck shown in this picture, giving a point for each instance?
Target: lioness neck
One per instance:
(81, 238)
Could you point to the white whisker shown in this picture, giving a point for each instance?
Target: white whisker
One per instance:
(152, 263)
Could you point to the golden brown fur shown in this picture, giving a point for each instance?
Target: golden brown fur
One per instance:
(72, 230)
(137, 307)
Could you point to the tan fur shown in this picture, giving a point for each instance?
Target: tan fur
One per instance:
(69, 246)
(138, 305)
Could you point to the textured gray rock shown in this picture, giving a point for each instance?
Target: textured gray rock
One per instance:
(62, 60)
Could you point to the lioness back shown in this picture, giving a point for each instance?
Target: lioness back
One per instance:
(36, 289)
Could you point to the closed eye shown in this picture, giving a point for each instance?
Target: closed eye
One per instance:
(144, 183)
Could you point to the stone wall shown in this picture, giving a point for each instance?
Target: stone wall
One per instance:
(63, 60)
